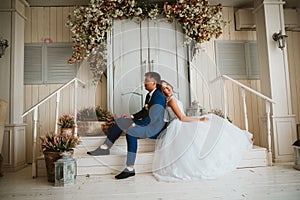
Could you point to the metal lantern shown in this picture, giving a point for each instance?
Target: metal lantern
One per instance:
(297, 154)
(65, 170)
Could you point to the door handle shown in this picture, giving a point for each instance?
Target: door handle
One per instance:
(151, 65)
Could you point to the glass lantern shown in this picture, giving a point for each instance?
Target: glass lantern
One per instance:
(194, 110)
(65, 170)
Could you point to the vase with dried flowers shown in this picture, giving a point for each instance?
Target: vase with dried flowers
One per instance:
(66, 123)
(93, 121)
(53, 145)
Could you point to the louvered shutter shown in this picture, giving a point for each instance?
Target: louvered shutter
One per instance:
(238, 59)
(47, 63)
(253, 67)
(33, 73)
(58, 70)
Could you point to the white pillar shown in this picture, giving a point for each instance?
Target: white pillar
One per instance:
(274, 76)
(12, 23)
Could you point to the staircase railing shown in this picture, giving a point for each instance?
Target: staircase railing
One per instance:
(268, 102)
(35, 108)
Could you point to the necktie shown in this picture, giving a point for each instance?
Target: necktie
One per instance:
(147, 98)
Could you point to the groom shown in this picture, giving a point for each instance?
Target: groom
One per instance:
(147, 123)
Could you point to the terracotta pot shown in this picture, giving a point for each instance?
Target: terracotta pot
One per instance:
(50, 159)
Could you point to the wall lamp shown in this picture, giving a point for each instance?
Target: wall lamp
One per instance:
(3, 46)
(278, 37)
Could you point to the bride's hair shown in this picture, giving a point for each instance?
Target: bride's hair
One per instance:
(163, 81)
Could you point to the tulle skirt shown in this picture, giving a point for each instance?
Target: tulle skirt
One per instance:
(199, 150)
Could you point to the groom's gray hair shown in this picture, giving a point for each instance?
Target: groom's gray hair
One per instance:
(154, 75)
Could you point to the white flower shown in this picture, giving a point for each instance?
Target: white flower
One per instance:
(90, 24)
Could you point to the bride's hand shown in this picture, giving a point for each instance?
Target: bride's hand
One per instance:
(203, 118)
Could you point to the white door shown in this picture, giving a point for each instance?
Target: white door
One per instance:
(138, 47)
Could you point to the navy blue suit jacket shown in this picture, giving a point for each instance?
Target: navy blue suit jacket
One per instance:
(150, 120)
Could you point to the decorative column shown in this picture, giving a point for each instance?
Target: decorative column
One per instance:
(274, 77)
(12, 23)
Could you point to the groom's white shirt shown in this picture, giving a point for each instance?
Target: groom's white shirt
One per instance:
(151, 93)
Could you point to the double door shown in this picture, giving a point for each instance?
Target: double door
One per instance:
(138, 47)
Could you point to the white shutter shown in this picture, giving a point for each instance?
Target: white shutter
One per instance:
(253, 67)
(238, 59)
(33, 64)
(47, 63)
(231, 59)
(58, 69)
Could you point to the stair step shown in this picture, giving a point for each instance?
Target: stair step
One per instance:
(109, 164)
(91, 143)
(115, 162)
(257, 157)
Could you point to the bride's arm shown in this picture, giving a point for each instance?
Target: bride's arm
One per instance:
(173, 104)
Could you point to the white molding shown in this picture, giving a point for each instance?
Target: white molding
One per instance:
(284, 134)
(14, 152)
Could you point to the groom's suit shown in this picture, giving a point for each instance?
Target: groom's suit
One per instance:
(148, 124)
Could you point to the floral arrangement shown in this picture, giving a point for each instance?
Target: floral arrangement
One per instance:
(97, 114)
(220, 114)
(106, 116)
(66, 121)
(110, 121)
(89, 25)
(102, 114)
(94, 114)
(97, 60)
(87, 114)
(54, 142)
(200, 22)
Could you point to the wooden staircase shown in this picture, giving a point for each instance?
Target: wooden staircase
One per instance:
(111, 164)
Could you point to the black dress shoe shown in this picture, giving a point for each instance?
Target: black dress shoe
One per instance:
(99, 152)
(125, 174)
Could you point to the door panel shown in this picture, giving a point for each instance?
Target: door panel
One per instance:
(168, 56)
(127, 67)
(146, 46)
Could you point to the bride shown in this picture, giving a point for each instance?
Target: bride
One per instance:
(197, 148)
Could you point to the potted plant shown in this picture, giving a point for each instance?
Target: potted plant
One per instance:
(53, 145)
(93, 121)
(87, 114)
(66, 123)
(109, 122)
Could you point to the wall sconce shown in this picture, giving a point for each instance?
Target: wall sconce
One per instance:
(280, 39)
(3, 46)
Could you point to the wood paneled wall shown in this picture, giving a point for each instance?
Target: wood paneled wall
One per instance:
(48, 24)
(255, 110)
(233, 93)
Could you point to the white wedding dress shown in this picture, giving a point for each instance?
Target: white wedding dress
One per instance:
(200, 149)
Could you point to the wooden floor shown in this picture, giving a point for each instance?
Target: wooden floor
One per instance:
(280, 182)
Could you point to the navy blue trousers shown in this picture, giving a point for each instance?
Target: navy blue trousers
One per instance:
(132, 144)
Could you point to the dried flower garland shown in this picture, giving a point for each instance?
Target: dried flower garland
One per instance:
(89, 25)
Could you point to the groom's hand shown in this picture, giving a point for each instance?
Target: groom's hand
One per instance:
(126, 116)
(132, 125)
